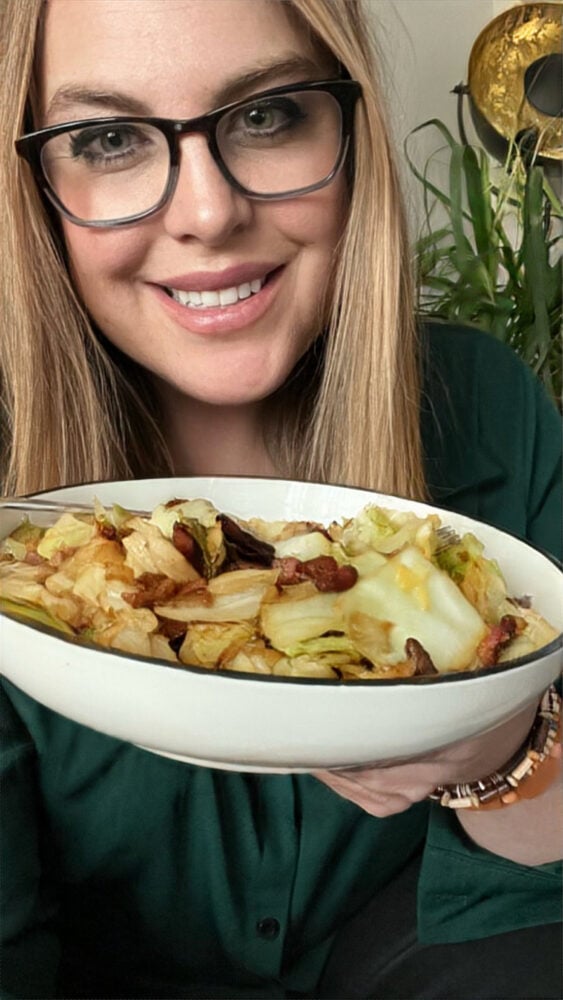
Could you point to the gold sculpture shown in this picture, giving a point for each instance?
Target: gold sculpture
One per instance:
(514, 80)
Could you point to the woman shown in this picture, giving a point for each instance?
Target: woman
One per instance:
(234, 295)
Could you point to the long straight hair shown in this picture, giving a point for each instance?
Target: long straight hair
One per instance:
(75, 411)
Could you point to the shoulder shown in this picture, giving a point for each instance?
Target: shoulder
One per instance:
(491, 434)
(470, 358)
(476, 388)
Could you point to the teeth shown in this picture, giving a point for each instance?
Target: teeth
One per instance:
(229, 296)
(221, 297)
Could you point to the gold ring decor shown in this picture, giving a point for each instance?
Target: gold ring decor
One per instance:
(514, 80)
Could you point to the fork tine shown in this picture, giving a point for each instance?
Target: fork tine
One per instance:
(447, 536)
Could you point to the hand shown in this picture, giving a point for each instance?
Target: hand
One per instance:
(384, 790)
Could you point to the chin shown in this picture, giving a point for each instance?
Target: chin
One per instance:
(233, 390)
(229, 395)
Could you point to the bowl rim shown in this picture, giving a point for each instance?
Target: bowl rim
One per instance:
(325, 682)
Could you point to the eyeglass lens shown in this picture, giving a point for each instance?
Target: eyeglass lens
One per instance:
(270, 146)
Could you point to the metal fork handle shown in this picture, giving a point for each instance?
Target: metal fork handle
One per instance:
(55, 506)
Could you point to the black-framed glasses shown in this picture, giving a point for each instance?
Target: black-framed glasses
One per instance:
(280, 143)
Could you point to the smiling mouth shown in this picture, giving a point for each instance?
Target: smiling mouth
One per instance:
(221, 296)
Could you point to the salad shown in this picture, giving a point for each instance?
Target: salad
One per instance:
(384, 594)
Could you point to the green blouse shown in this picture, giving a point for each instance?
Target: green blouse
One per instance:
(125, 874)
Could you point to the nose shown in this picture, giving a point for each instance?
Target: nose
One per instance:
(204, 205)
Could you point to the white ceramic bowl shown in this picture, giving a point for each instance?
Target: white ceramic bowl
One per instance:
(260, 723)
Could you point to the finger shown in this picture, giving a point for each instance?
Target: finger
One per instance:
(413, 783)
(373, 801)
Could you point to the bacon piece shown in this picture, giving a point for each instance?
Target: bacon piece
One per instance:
(323, 571)
(416, 653)
(498, 636)
(172, 630)
(155, 588)
(152, 588)
(290, 571)
(107, 530)
(328, 576)
(184, 541)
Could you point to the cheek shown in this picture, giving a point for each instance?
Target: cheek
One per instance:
(316, 220)
(100, 256)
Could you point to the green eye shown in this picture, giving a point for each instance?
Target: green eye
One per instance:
(114, 141)
(259, 118)
(108, 144)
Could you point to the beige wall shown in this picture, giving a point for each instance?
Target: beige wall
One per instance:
(425, 47)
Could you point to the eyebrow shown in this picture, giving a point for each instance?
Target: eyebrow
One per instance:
(72, 95)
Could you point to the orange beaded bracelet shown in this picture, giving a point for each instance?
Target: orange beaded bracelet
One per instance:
(532, 769)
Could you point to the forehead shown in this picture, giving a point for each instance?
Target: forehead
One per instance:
(173, 54)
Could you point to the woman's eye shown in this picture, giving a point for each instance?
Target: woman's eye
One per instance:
(108, 145)
(114, 142)
(261, 118)
(270, 118)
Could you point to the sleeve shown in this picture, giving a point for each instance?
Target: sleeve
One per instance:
(466, 892)
(545, 495)
(29, 947)
(492, 436)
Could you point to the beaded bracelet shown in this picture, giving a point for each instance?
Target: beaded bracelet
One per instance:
(510, 783)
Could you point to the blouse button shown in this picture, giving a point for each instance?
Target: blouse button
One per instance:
(268, 928)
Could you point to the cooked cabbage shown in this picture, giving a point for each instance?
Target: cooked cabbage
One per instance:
(384, 594)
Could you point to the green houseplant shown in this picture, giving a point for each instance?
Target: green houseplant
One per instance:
(494, 257)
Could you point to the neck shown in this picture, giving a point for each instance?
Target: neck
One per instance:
(207, 440)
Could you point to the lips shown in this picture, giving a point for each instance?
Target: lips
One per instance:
(220, 302)
(212, 281)
(205, 289)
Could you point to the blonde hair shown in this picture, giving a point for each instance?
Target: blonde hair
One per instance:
(72, 411)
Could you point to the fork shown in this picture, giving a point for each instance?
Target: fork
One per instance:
(56, 506)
